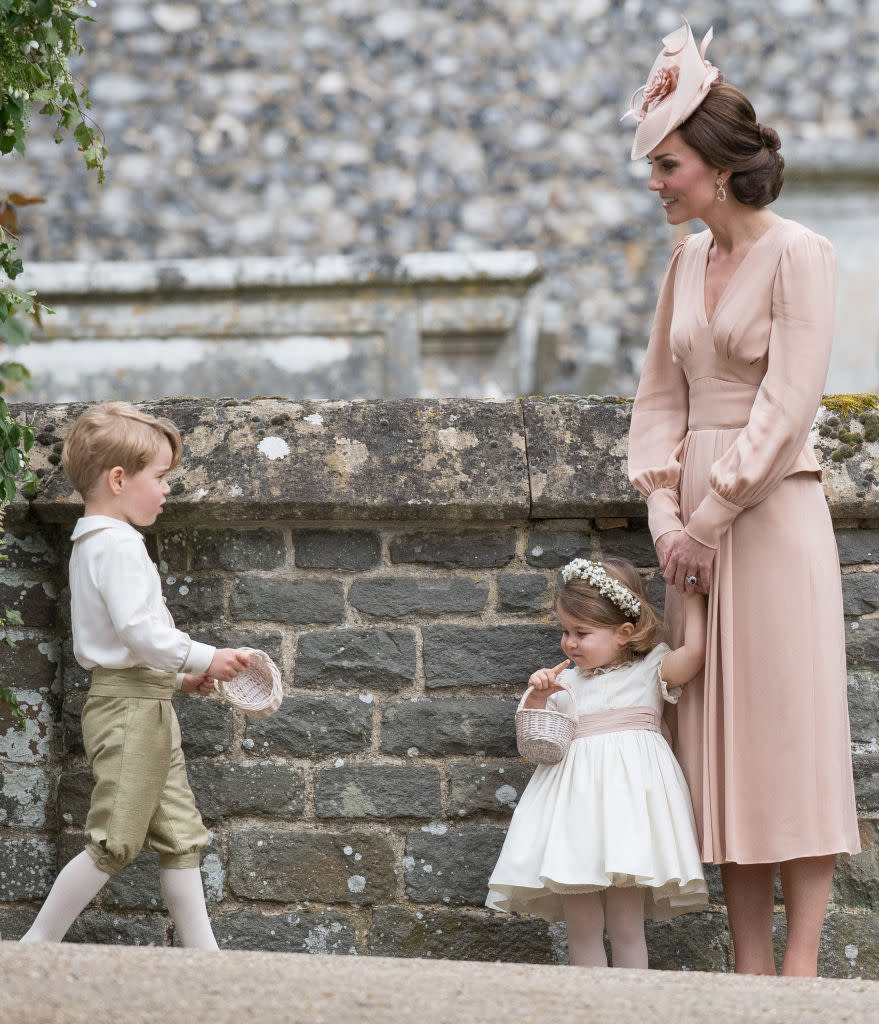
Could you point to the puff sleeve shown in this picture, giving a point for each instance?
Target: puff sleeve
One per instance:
(670, 694)
(659, 417)
(800, 336)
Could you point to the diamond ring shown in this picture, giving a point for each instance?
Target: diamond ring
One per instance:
(692, 581)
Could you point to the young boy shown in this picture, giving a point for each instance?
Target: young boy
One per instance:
(118, 458)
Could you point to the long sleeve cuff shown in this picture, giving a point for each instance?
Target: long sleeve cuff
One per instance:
(663, 512)
(711, 519)
(199, 658)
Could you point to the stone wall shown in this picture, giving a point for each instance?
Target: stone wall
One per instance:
(426, 324)
(398, 560)
(277, 128)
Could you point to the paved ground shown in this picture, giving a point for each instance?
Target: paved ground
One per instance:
(73, 984)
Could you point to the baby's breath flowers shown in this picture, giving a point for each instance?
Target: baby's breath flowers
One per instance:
(597, 576)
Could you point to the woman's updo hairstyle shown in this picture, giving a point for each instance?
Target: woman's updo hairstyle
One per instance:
(583, 602)
(725, 132)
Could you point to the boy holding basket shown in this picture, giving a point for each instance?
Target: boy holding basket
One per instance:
(118, 458)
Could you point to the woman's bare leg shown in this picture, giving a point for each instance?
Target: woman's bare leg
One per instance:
(749, 902)
(624, 920)
(584, 916)
(806, 885)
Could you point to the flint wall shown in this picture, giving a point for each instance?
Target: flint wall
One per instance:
(247, 129)
(398, 560)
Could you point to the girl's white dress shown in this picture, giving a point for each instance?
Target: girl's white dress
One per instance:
(614, 811)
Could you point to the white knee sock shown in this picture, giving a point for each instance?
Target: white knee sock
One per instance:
(624, 917)
(75, 887)
(184, 898)
(584, 917)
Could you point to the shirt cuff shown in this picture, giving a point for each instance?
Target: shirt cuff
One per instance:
(178, 682)
(199, 658)
(711, 519)
(663, 512)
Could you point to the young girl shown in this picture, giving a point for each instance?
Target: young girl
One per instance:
(607, 835)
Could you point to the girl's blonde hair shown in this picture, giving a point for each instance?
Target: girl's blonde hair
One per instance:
(115, 434)
(584, 603)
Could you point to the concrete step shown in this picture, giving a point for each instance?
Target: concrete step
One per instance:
(78, 984)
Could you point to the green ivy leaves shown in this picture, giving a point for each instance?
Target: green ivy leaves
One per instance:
(16, 440)
(37, 38)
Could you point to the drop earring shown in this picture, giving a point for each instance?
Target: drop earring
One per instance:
(721, 191)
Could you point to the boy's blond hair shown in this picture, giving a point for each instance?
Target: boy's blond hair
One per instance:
(115, 434)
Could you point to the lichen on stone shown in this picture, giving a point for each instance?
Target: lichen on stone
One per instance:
(851, 437)
(848, 405)
(870, 422)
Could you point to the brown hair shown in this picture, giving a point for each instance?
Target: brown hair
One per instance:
(584, 603)
(115, 434)
(725, 132)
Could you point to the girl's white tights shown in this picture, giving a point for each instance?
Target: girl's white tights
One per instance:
(76, 886)
(584, 916)
(621, 911)
(624, 921)
(184, 898)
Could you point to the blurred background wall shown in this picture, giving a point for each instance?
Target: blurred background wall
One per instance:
(253, 129)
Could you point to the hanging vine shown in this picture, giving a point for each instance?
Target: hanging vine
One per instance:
(37, 39)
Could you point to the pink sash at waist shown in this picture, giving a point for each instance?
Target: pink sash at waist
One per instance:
(719, 404)
(618, 720)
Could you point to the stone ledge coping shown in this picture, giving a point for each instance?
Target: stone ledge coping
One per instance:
(209, 275)
(449, 460)
(825, 157)
(155, 985)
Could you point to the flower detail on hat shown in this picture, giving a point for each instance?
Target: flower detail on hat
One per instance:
(663, 82)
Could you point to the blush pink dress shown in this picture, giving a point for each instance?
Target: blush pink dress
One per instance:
(719, 445)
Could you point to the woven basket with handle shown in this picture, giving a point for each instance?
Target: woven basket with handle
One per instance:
(543, 735)
(257, 689)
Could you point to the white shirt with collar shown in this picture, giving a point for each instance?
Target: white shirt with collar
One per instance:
(118, 614)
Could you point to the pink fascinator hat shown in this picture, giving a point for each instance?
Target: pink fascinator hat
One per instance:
(678, 82)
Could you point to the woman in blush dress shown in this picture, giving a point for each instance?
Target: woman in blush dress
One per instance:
(719, 446)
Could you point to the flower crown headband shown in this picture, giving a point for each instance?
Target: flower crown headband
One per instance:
(597, 576)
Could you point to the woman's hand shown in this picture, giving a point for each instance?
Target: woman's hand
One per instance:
(664, 545)
(684, 559)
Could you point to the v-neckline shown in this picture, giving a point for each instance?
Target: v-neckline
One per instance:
(728, 286)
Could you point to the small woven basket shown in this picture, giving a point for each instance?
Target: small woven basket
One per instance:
(257, 689)
(543, 735)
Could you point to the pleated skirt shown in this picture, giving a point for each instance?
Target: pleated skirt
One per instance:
(763, 738)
